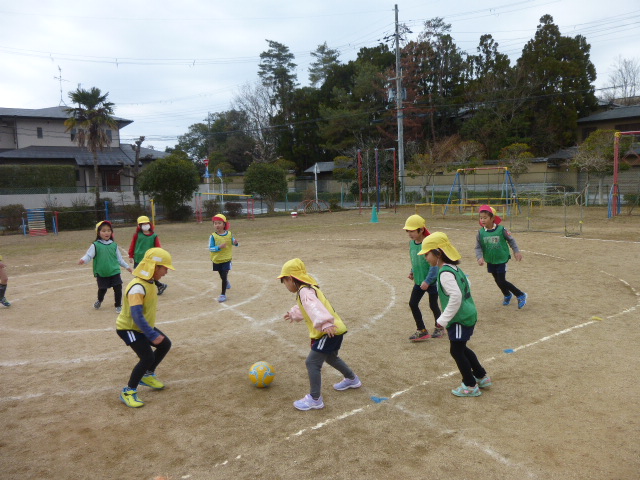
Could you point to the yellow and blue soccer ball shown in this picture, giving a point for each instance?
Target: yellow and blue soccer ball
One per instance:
(261, 374)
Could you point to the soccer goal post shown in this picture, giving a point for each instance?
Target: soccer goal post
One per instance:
(228, 203)
(614, 193)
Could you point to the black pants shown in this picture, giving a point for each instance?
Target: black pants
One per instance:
(149, 359)
(117, 294)
(506, 287)
(223, 276)
(467, 363)
(414, 303)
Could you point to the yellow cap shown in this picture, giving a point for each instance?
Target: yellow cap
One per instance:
(219, 216)
(154, 256)
(100, 223)
(439, 240)
(414, 222)
(295, 268)
(143, 219)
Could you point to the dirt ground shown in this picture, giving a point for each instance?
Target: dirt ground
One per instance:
(564, 404)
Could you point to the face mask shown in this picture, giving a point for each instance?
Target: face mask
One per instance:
(146, 227)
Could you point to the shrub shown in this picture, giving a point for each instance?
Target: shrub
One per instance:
(130, 213)
(180, 214)
(11, 217)
(210, 207)
(233, 209)
(74, 218)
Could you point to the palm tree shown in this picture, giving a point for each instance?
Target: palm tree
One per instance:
(91, 119)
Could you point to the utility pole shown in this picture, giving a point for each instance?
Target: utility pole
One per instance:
(399, 112)
(136, 169)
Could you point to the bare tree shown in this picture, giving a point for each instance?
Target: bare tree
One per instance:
(438, 156)
(255, 101)
(624, 82)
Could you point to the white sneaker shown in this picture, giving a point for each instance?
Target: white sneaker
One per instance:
(308, 403)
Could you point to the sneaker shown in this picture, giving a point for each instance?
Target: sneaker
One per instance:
(507, 299)
(308, 403)
(348, 383)
(118, 309)
(150, 380)
(484, 382)
(420, 336)
(437, 332)
(162, 288)
(464, 391)
(97, 304)
(222, 298)
(522, 300)
(129, 397)
(228, 284)
(5, 302)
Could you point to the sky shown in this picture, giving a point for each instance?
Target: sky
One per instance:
(167, 64)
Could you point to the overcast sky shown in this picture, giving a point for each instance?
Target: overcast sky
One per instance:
(166, 64)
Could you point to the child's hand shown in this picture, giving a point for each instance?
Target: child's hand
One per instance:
(288, 317)
(330, 331)
(235, 242)
(222, 245)
(518, 256)
(424, 286)
(411, 276)
(130, 260)
(481, 261)
(158, 340)
(81, 262)
(130, 270)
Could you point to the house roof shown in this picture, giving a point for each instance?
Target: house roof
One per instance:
(323, 167)
(564, 154)
(618, 113)
(82, 157)
(59, 113)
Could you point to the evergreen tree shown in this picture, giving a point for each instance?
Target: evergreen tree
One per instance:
(561, 75)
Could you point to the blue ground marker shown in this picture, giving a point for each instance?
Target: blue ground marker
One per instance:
(379, 399)
(508, 350)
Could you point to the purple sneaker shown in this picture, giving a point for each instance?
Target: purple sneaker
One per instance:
(348, 383)
(308, 403)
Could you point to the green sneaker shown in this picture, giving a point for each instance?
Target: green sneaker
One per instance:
(464, 391)
(5, 302)
(484, 382)
(129, 397)
(150, 380)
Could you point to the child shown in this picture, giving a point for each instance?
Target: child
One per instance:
(220, 247)
(424, 278)
(144, 239)
(136, 324)
(107, 261)
(492, 246)
(459, 316)
(326, 330)
(4, 280)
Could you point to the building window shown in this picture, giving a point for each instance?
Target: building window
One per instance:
(40, 132)
(109, 135)
(73, 134)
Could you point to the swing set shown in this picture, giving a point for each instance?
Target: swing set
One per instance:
(508, 198)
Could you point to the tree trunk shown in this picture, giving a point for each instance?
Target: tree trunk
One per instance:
(96, 172)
